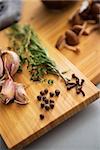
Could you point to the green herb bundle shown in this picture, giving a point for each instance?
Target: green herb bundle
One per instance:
(26, 44)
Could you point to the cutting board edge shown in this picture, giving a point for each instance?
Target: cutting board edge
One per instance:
(53, 124)
(96, 79)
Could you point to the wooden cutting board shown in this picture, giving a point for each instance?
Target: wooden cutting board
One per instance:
(52, 24)
(20, 125)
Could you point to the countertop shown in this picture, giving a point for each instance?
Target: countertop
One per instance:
(81, 132)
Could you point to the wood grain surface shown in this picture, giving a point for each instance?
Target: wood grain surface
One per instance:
(20, 125)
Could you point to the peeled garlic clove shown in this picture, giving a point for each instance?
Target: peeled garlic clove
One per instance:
(20, 94)
(1, 67)
(7, 91)
(11, 61)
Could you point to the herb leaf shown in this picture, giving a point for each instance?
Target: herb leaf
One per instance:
(26, 44)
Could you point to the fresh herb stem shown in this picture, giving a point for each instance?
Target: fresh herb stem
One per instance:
(26, 44)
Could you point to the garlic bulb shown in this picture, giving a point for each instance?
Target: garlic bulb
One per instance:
(7, 91)
(10, 90)
(11, 61)
(20, 94)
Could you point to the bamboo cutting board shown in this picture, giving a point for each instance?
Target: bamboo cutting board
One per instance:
(53, 24)
(20, 125)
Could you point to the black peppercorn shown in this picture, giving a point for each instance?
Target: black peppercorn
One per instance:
(46, 101)
(57, 92)
(41, 116)
(42, 93)
(51, 105)
(47, 107)
(51, 94)
(44, 98)
(51, 101)
(42, 105)
(39, 97)
(45, 91)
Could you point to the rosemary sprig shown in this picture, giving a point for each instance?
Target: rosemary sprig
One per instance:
(26, 44)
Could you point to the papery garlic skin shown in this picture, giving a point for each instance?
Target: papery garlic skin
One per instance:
(1, 67)
(20, 94)
(11, 61)
(8, 91)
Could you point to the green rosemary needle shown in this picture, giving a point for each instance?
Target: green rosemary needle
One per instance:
(26, 44)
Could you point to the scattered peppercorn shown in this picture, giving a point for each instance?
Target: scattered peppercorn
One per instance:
(42, 105)
(42, 93)
(47, 107)
(51, 101)
(39, 97)
(57, 92)
(46, 91)
(51, 105)
(41, 116)
(44, 98)
(46, 101)
(51, 94)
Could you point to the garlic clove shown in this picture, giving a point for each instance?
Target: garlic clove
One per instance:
(11, 61)
(7, 91)
(20, 94)
(1, 67)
